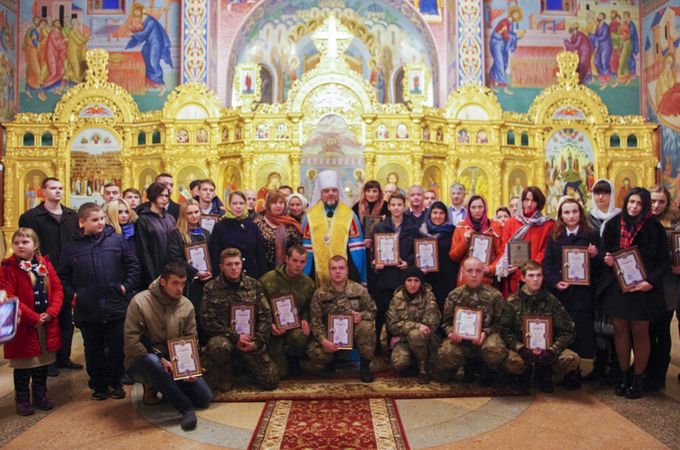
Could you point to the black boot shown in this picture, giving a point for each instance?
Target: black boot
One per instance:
(485, 376)
(635, 389)
(524, 379)
(423, 376)
(365, 370)
(572, 380)
(544, 379)
(468, 374)
(623, 384)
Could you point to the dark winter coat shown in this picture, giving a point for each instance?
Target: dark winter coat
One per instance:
(152, 242)
(243, 235)
(391, 277)
(53, 235)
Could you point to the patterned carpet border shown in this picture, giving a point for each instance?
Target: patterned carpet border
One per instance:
(348, 424)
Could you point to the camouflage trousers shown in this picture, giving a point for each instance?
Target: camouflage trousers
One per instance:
(567, 361)
(220, 351)
(364, 340)
(492, 352)
(413, 346)
(292, 344)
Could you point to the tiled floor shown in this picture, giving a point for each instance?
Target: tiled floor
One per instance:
(589, 418)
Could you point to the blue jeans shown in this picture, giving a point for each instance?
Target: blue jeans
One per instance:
(182, 395)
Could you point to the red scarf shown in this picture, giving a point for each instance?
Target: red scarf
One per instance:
(482, 225)
(628, 233)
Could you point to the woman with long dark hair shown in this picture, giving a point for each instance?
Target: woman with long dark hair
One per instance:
(633, 311)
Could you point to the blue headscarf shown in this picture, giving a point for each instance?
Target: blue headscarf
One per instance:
(433, 229)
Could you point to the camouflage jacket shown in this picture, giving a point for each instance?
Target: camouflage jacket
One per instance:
(541, 304)
(499, 317)
(405, 315)
(276, 284)
(327, 300)
(218, 297)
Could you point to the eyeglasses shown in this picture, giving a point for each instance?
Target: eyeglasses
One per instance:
(164, 195)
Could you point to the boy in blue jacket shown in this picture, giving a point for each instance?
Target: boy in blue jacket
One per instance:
(98, 270)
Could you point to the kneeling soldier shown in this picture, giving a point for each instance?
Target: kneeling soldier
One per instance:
(286, 348)
(342, 296)
(412, 317)
(229, 288)
(533, 300)
(497, 323)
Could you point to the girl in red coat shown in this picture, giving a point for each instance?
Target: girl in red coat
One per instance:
(32, 279)
(529, 224)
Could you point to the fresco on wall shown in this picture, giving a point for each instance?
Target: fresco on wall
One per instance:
(389, 34)
(141, 36)
(524, 37)
(8, 57)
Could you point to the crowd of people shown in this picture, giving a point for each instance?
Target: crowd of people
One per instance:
(121, 273)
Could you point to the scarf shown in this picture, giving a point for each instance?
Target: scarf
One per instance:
(434, 230)
(128, 230)
(479, 226)
(612, 210)
(629, 231)
(37, 273)
(536, 220)
(281, 236)
(367, 208)
(228, 214)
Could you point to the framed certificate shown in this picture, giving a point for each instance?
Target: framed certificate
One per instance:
(427, 255)
(369, 225)
(576, 265)
(208, 222)
(468, 322)
(341, 330)
(481, 246)
(386, 247)
(675, 247)
(538, 332)
(243, 318)
(285, 312)
(197, 256)
(184, 357)
(519, 252)
(629, 269)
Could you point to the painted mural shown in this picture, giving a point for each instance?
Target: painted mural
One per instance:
(387, 38)
(8, 32)
(523, 38)
(141, 36)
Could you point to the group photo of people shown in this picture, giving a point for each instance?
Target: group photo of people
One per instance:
(185, 298)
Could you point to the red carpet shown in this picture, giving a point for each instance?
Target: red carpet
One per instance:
(330, 424)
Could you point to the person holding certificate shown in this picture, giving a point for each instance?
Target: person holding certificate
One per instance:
(342, 296)
(633, 311)
(475, 322)
(477, 222)
(238, 320)
(528, 224)
(436, 226)
(186, 234)
(547, 348)
(391, 277)
(412, 318)
(288, 345)
(573, 230)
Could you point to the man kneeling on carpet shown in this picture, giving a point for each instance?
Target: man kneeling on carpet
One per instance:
(487, 353)
(153, 317)
(412, 318)
(533, 300)
(234, 294)
(342, 296)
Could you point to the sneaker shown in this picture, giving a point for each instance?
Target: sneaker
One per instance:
(117, 392)
(100, 395)
(68, 364)
(189, 419)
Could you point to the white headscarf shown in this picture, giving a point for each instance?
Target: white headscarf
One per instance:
(611, 211)
(328, 179)
(300, 197)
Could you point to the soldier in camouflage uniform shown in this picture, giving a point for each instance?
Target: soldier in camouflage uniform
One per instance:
(233, 287)
(412, 317)
(286, 348)
(342, 296)
(497, 322)
(533, 300)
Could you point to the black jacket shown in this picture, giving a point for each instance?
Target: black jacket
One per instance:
(243, 235)
(391, 277)
(94, 268)
(152, 242)
(444, 280)
(575, 297)
(53, 235)
(172, 209)
(194, 287)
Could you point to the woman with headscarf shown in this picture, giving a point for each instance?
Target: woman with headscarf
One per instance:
(602, 205)
(528, 224)
(476, 222)
(278, 230)
(296, 204)
(437, 226)
(633, 311)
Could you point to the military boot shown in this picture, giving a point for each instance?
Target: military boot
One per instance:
(423, 375)
(544, 379)
(365, 370)
(485, 376)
